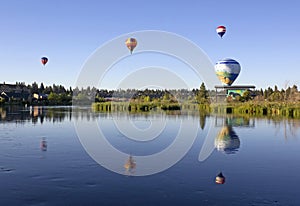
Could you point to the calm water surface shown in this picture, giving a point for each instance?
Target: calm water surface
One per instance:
(42, 160)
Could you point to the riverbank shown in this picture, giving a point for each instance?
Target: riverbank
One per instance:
(291, 110)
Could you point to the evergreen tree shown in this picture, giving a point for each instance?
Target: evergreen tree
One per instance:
(202, 94)
(42, 88)
(287, 93)
(34, 88)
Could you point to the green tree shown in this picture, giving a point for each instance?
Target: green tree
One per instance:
(42, 88)
(246, 95)
(53, 98)
(55, 89)
(34, 88)
(265, 94)
(294, 93)
(276, 96)
(146, 99)
(48, 90)
(166, 96)
(287, 93)
(202, 94)
(70, 91)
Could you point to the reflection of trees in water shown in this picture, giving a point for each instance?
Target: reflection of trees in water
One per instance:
(39, 114)
(202, 118)
(289, 127)
(234, 121)
(50, 114)
(13, 114)
(35, 114)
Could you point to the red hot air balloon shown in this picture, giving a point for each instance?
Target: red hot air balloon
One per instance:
(131, 44)
(221, 30)
(44, 60)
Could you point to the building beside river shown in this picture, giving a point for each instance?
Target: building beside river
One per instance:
(14, 92)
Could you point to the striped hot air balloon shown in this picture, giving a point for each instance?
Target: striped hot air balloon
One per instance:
(221, 30)
(227, 70)
(131, 44)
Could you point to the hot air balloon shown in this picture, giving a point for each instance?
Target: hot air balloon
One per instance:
(220, 179)
(227, 70)
(131, 44)
(221, 30)
(44, 60)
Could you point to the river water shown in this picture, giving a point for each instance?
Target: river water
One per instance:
(72, 156)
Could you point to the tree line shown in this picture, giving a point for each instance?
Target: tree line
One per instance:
(290, 94)
(58, 94)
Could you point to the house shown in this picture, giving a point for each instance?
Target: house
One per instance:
(37, 96)
(233, 91)
(14, 92)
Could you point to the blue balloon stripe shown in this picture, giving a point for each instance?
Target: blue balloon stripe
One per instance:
(227, 62)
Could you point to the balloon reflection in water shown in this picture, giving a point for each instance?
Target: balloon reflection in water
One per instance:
(130, 165)
(220, 179)
(43, 145)
(227, 140)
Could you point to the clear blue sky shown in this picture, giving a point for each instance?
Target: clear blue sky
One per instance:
(262, 35)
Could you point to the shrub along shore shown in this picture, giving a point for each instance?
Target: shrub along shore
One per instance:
(291, 110)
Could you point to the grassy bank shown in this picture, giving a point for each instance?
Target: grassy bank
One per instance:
(291, 110)
(133, 107)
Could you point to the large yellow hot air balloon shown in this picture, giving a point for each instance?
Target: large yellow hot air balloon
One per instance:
(227, 70)
(131, 44)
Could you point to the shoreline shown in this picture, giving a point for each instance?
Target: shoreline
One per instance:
(255, 109)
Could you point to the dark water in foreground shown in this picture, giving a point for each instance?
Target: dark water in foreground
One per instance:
(42, 160)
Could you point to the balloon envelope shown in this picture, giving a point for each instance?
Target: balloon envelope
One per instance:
(221, 30)
(131, 44)
(44, 60)
(227, 70)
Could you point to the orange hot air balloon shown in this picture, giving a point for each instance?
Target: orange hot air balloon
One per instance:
(44, 60)
(131, 44)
